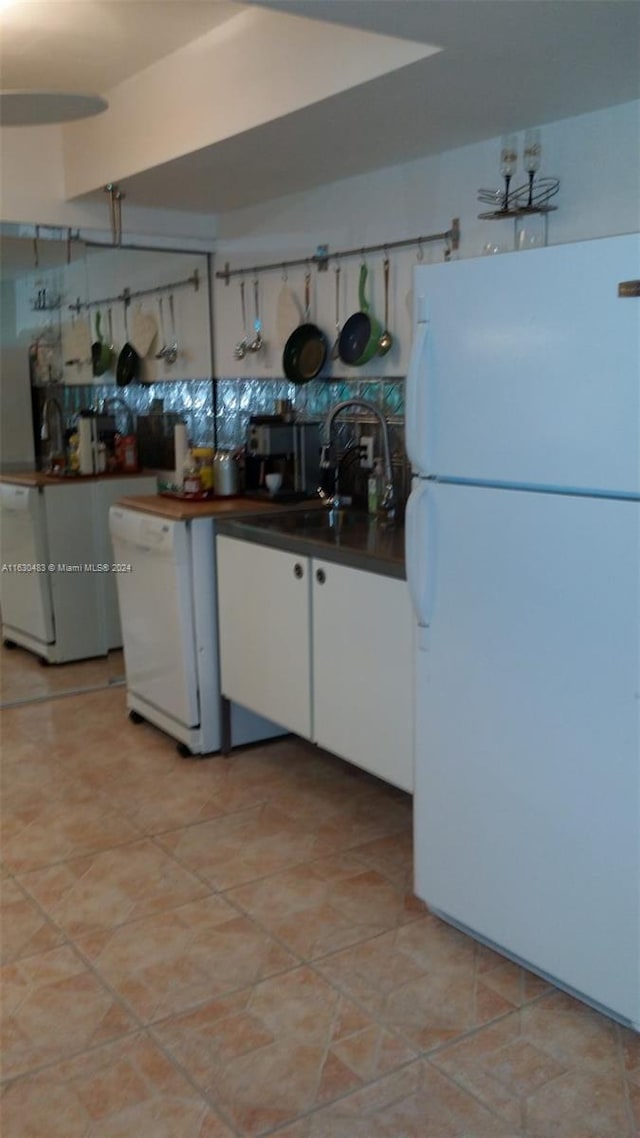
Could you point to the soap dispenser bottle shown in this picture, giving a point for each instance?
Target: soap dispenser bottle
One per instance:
(375, 487)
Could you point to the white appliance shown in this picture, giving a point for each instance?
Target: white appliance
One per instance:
(523, 562)
(50, 603)
(25, 584)
(57, 584)
(168, 606)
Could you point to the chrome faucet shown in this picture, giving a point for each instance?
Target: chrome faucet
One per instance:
(54, 436)
(388, 503)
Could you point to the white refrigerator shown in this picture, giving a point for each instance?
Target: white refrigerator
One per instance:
(523, 562)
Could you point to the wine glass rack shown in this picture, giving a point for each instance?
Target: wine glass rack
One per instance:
(522, 202)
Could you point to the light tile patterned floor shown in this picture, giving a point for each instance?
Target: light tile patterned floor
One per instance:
(23, 677)
(230, 948)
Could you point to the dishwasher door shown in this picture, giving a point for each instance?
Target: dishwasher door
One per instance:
(155, 594)
(25, 587)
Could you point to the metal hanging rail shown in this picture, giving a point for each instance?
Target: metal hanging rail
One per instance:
(126, 296)
(322, 256)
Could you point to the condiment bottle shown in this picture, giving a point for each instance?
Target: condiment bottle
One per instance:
(191, 477)
(204, 455)
(127, 453)
(74, 456)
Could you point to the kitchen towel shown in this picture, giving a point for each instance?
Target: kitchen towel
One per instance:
(181, 446)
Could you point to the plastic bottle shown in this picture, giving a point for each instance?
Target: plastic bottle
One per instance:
(375, 487)
(74, 455)
(127, 453)
(191, 477)
(204, 455)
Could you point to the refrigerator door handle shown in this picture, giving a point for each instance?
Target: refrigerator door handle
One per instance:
(416, 532)
(416, 394)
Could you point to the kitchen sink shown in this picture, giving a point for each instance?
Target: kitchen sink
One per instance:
(329, 522)
(351, 536)
(329, 518)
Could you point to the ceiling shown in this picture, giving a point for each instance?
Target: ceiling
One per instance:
(93, 45)
(503, 65)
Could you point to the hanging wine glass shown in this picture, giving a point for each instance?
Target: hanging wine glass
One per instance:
(508, 163)
(532, 155)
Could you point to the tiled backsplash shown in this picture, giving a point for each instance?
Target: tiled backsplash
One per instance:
(228, 408)
(220, 410)
(192, 398)
(238, 399)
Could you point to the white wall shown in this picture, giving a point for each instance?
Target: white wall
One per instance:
(595, 156)
(32, 189)
(106, 273)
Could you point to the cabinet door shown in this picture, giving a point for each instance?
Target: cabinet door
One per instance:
(264, 627)
(362, 670)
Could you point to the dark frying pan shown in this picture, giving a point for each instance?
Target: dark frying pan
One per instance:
(361, 333)
(100, 352)
(305, 352)
(129, 361)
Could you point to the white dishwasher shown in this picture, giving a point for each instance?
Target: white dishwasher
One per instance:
(167, 594)
(25, 584)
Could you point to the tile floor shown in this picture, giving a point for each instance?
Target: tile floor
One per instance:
(23, 677)
(230, 947)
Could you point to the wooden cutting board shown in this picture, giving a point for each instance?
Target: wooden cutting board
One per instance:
(144, 329)
(76, 341)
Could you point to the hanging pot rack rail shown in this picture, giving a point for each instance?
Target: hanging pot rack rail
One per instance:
(322, 256)
(126, 296)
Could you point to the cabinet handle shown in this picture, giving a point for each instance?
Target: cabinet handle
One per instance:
(298, 571)
(321, 576)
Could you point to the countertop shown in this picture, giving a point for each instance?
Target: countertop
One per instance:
(355, 539)
(37, 478)
(181, 509)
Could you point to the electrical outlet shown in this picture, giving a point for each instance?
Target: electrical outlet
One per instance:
(366, 452)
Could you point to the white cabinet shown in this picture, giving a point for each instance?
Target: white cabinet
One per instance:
(265, 631)
(362, 670)
(323, 649)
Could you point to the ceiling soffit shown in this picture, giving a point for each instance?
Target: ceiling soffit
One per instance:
(93, 45)
(255, 68)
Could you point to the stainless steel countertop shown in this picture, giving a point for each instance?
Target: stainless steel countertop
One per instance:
(355, 539)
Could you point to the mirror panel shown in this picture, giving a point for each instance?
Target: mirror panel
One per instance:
(48, 285)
